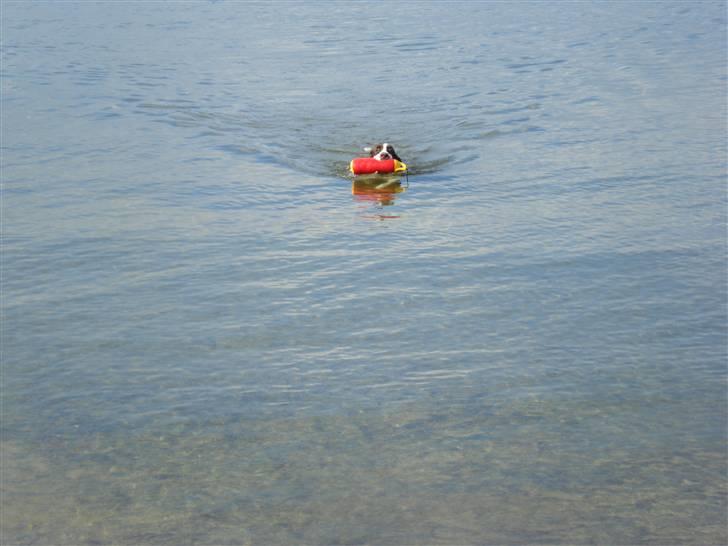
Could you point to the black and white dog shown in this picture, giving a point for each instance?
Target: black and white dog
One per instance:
(383, 151)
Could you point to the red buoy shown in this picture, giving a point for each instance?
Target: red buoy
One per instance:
(369, 165)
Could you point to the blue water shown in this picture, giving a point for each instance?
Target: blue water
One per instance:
(212, 335)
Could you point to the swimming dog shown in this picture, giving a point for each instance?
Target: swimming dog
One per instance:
(383, 151)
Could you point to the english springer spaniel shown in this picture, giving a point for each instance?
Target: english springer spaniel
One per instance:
(383, 151)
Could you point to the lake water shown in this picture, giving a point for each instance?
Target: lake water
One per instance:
(210, 335)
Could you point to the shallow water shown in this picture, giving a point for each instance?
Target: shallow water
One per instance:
(211, 336)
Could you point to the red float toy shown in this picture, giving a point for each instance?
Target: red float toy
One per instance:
(369, 165)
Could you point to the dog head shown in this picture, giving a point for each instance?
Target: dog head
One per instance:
(384, 151)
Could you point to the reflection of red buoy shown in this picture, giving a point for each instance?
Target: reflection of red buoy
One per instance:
(369, 165)
(381, 190)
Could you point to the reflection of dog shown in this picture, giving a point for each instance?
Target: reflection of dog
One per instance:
(384, 151)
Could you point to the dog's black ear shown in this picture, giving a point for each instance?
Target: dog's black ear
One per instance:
(394, 155)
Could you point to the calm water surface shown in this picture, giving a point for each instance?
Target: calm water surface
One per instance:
(210, 337)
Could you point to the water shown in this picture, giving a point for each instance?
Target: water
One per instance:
(210, 337)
